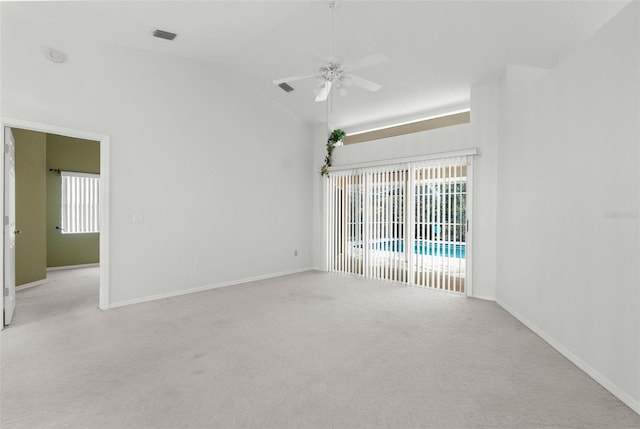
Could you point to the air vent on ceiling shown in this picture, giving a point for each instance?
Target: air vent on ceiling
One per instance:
(161, 34)
(286, 87)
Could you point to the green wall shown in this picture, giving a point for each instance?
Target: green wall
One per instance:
(31, 243)
(70, 154)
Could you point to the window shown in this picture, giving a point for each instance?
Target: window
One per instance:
(80, 205)
(455, 118)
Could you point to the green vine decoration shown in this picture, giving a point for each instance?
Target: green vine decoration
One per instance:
(335, 136)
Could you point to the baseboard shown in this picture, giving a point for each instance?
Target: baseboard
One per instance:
(483, 298)
(205, 288)
(601, 379)
(31, 284)
(71, 267)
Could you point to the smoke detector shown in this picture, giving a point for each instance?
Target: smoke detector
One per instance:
(56, 56)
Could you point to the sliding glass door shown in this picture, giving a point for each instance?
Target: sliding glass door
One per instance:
(404, 223)
(387, 219)
(440, 225)
(346, 235)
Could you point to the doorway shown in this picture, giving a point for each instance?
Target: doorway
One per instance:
(8, 252)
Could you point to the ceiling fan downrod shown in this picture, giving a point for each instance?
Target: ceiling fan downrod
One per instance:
(332, 6)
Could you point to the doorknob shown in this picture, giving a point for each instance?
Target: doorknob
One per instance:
(17, 231)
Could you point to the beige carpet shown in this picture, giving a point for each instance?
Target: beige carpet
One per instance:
(309, 350)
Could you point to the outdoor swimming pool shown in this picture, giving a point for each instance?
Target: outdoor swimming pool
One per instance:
(422, 247)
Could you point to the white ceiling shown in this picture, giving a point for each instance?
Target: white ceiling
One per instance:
(436, 49)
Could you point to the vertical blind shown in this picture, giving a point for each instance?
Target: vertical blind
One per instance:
(404, 223)
(80, 203)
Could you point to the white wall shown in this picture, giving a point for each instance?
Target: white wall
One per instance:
(320, 135)
(484, 135)
(568, 193)
(219, 175)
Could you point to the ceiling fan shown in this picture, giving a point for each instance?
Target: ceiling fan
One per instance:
(336, 73)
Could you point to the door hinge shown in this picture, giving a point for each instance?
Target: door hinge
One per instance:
(6, 291)
(6, 148)
(6, 220)
(467, 225)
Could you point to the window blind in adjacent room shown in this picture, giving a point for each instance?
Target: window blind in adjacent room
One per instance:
(80, 202)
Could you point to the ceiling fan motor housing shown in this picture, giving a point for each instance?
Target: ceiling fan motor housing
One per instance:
(332, 72)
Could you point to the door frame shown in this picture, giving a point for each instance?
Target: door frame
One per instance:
(104, 140)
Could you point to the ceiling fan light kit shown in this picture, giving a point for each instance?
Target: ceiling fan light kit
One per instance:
(335, 74)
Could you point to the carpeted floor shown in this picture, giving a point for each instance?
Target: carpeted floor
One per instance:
(309, 350)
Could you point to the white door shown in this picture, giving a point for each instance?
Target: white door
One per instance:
(9, 226)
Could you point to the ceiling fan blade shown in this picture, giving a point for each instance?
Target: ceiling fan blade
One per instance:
(294, 78)
(365, 62)
(367, 84)
(324, 92)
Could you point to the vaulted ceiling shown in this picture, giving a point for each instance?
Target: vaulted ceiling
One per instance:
(436, 49)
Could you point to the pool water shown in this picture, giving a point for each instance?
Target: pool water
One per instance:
(421, 247)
